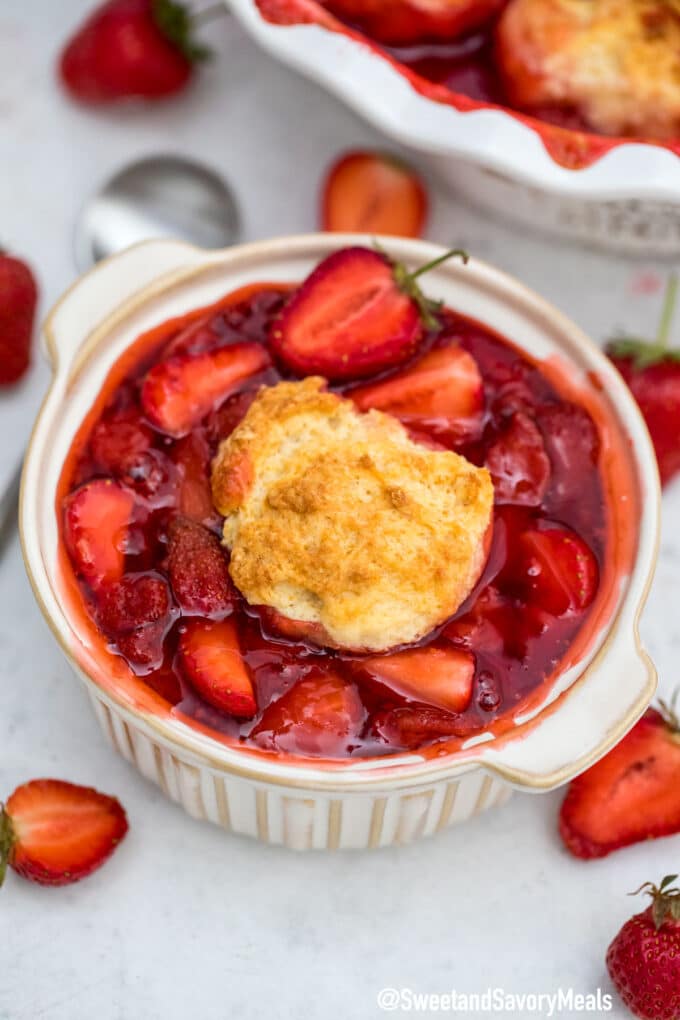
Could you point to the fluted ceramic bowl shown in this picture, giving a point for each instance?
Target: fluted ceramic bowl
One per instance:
(597, 693)
(617, 193)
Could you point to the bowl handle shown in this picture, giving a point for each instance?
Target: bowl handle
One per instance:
(98, 293)
(585, 722)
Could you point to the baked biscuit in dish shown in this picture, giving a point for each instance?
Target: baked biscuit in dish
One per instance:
(615, 63)
(340, 522)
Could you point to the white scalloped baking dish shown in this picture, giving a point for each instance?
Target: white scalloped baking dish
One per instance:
(627, 200)
(307, 803)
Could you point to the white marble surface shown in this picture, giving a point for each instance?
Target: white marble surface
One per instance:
(186, 921)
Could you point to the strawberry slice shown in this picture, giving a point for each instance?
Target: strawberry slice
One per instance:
(198, 570)
(180, 391)
(556, 570)
(320, 716)
(630, 795)
(373, 193)
(443, 390)
(437, 676)
(212, 661)
(358, 313)
(96, 521)
(192, 455)
(518, 463)
(55, 833)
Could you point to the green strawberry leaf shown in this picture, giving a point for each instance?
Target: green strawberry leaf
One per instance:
(177, 24)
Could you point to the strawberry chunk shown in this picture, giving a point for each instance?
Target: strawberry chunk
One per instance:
(97, 517)
(348, 319)
(373, 193)
(198, 570)
(143, 648)
(134, 600)
(441, 677)
(232, 412)
(443, 390)
(405, 22)
(630, 795)
(519, 464)
(212, 661)
(410, 728)
(55, 833)
(137, 612)
(118, 439)
(320, 716)
(571, 441)
(192, 456)
(180, 391)
(556, 570)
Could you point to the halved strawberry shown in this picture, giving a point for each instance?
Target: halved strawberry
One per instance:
(518, 463)
(96, 521)
(630, 795)
(55, 833)
(358, 312)
(437, 676)
(373, 193)
(192, 455)
(198, 570)
(321, 715)
(178, 392)
(556, 570)
(212, 661)
(443, 390)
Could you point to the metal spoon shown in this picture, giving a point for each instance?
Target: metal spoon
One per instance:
(159, 196)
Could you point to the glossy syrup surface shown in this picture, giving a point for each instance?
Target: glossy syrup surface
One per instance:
(516, 641)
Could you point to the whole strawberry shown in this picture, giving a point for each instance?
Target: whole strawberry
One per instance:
(644, 958)
(131, 48)
(652, 371)
(18, 298)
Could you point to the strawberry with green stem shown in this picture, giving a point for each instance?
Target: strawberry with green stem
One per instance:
(358, 313)
(133, 49)
(652, 371)
(644, 958)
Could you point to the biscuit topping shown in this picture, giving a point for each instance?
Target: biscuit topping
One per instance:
(340, 521)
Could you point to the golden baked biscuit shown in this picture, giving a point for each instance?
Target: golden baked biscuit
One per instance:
(615, 62)
(339, 520)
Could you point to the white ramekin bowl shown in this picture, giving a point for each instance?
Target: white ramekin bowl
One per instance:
(627, 200)
(305, 803)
